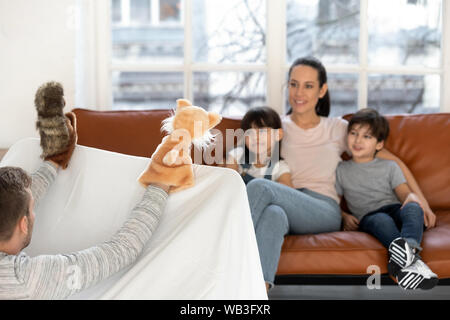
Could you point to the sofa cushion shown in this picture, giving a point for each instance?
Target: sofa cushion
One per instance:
(351, 253)
(348, 252)
(436, 245)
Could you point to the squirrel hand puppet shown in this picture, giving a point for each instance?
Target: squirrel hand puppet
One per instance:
(58, 131)
(171, 163)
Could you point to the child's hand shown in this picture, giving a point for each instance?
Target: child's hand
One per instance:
(351, 223)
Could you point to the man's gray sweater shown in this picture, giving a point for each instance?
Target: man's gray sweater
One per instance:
(59, 276)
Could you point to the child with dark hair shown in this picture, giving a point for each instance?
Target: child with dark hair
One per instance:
(381, 201)
(259, 156)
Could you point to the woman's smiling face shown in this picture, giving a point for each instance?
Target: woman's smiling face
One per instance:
(304, 89)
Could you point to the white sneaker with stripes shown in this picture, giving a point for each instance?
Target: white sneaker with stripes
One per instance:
(417, 276)
(401, 253)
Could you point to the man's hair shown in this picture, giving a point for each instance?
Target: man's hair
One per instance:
(14, 199)
(378, 125)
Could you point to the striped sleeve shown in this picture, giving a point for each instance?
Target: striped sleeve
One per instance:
(42, 180)
(58, 276)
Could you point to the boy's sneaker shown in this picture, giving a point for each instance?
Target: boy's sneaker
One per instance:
(417, 276)
(401, 255)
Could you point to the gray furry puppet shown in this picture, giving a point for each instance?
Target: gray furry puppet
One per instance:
(57, 130)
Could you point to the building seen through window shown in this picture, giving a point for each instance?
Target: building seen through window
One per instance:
(233, 33)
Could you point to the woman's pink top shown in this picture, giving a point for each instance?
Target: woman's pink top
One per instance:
(313, 154)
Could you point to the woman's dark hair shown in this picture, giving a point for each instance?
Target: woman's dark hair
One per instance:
(261, 117)
(323, 105)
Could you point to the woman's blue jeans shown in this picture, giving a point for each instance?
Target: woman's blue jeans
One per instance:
(391, 222)
(278, 210)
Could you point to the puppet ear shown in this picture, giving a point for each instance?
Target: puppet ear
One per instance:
(214, 119)
(181, 103)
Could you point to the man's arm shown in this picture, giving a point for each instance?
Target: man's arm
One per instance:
(59, 276)
(42, 179)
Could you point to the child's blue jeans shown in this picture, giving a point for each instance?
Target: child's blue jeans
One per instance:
(391, 222)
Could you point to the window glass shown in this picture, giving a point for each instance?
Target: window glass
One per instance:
(326, 29)
(343, 90)
(152, 43)
(405, 33)
(231, 31)
(116, 11)
(146, 90)
(140, 11)
(229, 93)
(394, 94)
(169, 11)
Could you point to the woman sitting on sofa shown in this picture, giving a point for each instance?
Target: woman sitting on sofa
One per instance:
(312, 147)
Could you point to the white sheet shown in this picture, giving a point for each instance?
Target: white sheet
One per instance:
(204, 247)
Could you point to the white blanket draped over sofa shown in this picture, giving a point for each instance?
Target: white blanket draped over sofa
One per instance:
(203, 248)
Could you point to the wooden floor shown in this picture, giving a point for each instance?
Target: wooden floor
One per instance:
(323, 292)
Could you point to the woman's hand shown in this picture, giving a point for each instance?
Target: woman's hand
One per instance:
(412, 197)
(405, 195)
(429, 218)
(428, 215)
(351, 223)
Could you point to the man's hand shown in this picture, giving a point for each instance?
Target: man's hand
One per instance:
(63, 158)
(55, 164)
(161, 186)
(351, 223)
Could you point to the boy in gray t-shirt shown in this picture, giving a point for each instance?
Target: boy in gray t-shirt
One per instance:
(381, 202)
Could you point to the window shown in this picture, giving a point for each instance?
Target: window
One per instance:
(228, 56)
(390, 51)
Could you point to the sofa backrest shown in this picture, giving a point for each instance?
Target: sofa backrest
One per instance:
(421, 141)
(136, 133)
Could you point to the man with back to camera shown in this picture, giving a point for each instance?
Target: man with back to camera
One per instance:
(47, 276)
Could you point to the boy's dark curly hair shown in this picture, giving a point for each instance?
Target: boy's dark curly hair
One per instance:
(378, 125)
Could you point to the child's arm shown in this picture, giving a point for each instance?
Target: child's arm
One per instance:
(405, 195)
(231, 163)
(350, 222)
(285, 179)
(412, 183)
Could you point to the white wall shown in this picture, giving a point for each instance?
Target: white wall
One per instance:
(37, 44)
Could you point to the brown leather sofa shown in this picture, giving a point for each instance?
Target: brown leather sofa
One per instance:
(421, 141)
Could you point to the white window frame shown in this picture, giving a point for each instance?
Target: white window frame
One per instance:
(276, 65)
